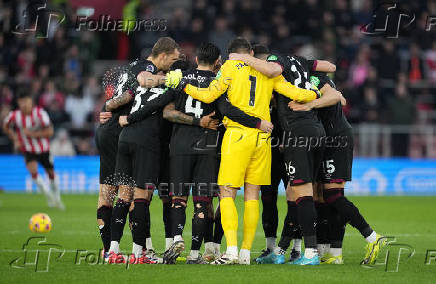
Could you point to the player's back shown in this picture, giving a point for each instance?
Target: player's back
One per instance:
(249, 90)
(191, 139)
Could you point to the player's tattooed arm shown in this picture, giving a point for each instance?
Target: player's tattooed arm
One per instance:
(170, 113)
(150, 107)
(118, 101)
(269, 69)
(149, 80)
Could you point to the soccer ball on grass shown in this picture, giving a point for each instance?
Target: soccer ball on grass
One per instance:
(40, 223)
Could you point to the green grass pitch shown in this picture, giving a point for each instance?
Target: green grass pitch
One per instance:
(410, 219)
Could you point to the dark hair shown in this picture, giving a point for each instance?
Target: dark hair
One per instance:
(180, 64)
(208, 53)
(23, 93)
(260, 49)
(164, 45)
(239, 45)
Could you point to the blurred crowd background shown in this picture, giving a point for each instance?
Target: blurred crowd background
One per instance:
(390, 84)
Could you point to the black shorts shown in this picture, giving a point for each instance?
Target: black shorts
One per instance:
(199, 172)
(303, 152)
(137, 165)
(107, 145)
(44, 159)
(164, 171)
(337, 162)
(278, 170)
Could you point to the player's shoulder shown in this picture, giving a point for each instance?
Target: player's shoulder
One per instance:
(140, 65)
(234, 65)
(38, 109)
(320, 79)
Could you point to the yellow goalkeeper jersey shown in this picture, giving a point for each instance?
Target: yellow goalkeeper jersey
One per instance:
(247, 89)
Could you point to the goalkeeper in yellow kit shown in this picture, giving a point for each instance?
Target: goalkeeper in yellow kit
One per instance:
(245, 152)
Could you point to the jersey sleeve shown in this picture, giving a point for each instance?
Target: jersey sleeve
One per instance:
(216, 88)
(307, 64)
(320, 79)
(45, 119)
(294, 93)
(235, 114)
(151, 106)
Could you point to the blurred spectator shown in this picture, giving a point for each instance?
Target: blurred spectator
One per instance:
(221, 35)
(51, 96)
(430, 59)
(72, 62)
(388, 62)
(360, 68)
(25, 62)
(415, 64)
(369, 129)
(401, 110)
(61, 145)
(53, 102)
(78, 107)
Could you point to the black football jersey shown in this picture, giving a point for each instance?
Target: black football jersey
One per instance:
(126, 81)
(191, 139)
(332, 117)
(296, 70)
(147, 128)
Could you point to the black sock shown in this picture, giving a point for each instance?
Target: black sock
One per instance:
(119, 214)
(139, 221)
(289, 226)
(322, 225)
(105, 214)
(208, 234)
(337, 229)
(218, 232)
(178, 216)
(335, 197)
(199, 223)
(147, 221)
(166, 211)
(307, 219)
(270, 215)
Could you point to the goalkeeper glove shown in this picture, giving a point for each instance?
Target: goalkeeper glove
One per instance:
(316, 90)
(173, 79)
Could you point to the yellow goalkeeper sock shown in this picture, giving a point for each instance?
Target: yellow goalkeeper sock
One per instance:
(229, 221)
(251, 218)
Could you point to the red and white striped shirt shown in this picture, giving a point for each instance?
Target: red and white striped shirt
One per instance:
(36, 120)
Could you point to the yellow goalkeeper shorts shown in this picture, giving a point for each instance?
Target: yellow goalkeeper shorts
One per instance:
(245, 157)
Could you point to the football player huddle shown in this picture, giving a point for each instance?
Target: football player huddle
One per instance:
(251, 122)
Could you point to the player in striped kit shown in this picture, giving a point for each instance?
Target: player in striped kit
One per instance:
(29, 128)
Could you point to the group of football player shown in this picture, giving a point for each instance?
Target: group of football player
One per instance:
(256, 121)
